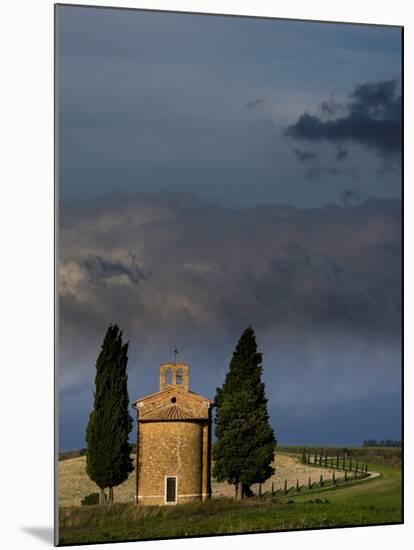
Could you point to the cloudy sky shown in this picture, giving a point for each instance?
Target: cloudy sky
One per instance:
(220, 171)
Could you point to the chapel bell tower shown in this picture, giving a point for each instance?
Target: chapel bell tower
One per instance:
(174, 374)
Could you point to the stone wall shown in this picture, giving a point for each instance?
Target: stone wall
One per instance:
(191, 404)
(177, 449)
(173, 370)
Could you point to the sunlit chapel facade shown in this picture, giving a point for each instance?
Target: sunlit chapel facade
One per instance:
(173, 441)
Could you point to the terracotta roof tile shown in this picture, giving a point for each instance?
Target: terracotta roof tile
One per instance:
(171, 412)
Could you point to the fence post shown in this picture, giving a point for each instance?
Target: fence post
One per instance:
(285, 486)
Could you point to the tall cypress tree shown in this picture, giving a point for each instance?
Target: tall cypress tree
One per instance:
(304, 455)
(244, 450)
(108, 456)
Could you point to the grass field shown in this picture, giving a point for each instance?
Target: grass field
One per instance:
(368, 502)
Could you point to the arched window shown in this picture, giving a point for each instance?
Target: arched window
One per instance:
(179, 376)
(168, 376)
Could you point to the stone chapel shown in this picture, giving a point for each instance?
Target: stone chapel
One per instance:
(173, 441)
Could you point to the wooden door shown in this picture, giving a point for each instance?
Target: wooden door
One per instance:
(171, 489)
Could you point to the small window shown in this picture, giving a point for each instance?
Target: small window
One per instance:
(168, 376)
(179, 376)
(171, 489)
(173, 399)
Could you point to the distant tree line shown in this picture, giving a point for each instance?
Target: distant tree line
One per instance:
(339, 460)
(382, 443)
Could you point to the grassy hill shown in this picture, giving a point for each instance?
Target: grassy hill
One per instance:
(370, 502)
(74, 484)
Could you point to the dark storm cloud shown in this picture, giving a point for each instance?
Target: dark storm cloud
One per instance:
(151, 101)
(373, 119)
(378, 98)
(99, 269)
(349, 196)
(191, 246)
(318, 171)
(330, 107)
(251, 104)
(297, 266)
(322, 288)
(304, 156)
(341, 154)
(268, 124)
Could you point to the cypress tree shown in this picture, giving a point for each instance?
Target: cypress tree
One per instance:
(337, 461)
(245, 446)
(309, 456)
(304, 456)
(108, 454)
(315, 457)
